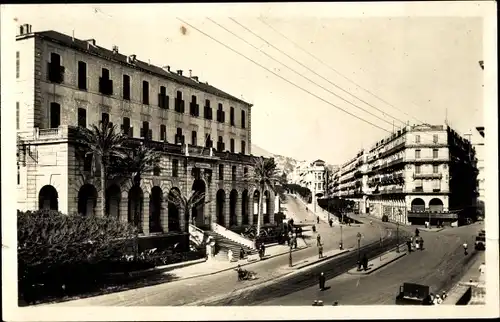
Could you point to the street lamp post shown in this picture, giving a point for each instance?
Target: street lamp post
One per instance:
(397, 236)
(290, 264)
(359, 241)
(341, 241)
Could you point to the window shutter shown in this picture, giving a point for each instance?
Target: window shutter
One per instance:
(150, 134)
(131, 131)
(142, 132)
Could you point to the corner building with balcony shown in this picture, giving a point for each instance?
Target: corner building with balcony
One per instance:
(421, 172)
(203, 132)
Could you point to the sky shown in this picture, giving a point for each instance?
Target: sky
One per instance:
(426, 68)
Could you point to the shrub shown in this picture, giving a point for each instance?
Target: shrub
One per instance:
(56, 249)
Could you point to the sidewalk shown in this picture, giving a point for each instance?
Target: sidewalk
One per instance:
(320, 212)
(471, 278)
(214, 266)
(378, 262)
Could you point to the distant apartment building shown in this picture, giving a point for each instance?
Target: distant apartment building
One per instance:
(311, 175)
(420, 172)
(480, 165)
(204, 135)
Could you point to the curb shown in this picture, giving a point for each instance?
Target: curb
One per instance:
(241, 265)
(158, 269)
(431, 231)
(321, 260)
(379, 267)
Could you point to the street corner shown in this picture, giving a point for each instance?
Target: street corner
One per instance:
(377, 263)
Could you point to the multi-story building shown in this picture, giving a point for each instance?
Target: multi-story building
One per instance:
(418, 173)
(64, 83)
(313, 176)
(480, 166)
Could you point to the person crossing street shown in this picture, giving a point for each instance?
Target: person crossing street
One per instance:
(322, 280)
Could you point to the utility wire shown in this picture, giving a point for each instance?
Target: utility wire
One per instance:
(298, 62)
(296, 72)
(423, 135)
(279, 76)
(337, 72)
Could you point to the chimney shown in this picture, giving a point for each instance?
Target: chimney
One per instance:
(90, 42)
(131, 59)
(115, 49)
(24, 29)
(190, 73)
(179, 72)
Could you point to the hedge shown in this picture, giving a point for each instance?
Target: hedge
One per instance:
(60, 255)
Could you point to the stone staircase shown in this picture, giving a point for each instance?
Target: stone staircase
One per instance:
(224, 245)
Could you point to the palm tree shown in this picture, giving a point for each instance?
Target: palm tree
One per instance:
(134, 164)
(104, 144)
(265, 176)
(184, 203)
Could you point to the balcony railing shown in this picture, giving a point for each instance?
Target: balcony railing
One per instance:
(427, 213)
(427, 176)
(433, 190)
(393, 149)
(60, 132)
(426, 145)
(427, 160)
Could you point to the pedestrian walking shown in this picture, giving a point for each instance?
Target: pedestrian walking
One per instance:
(322, 281)
(242, 253)
(320, 251)
(417, 232)
(408, 245)
(330, 222)
(317, 220)
(263, 247)
(364, 261)
(349, 221)
(318, 239)
(230, 255)
(465, 248)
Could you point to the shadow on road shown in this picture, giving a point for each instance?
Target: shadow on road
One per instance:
(85, 291)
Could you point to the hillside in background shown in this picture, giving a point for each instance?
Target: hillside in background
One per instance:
(285, 164)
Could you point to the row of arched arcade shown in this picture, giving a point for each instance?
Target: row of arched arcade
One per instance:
(153, 213)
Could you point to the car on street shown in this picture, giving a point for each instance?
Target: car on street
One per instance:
(412, 294)
(480, 243)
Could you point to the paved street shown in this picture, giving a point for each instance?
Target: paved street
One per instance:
(439, 266)
(186, 291)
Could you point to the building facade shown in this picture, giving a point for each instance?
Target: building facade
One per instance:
(479, 145)
(204, 135)
(419, 173)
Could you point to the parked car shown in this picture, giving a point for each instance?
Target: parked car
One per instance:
(480, 243)
(413, 294)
